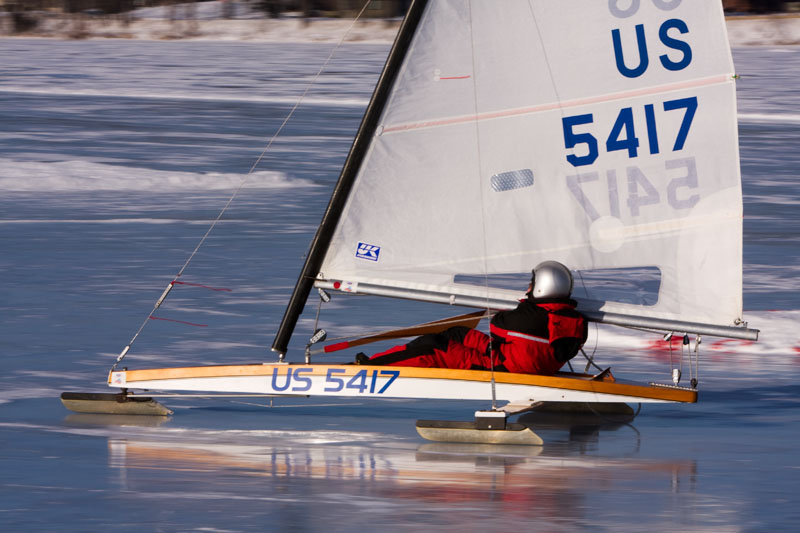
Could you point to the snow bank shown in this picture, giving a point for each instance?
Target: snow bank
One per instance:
(764, 30)
(205, 21)
(32, 176)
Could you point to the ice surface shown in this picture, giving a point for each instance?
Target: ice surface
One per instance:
(115, 156)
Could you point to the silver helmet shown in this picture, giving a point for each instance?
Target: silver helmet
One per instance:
(551, 280)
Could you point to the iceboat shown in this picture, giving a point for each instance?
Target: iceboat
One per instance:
(601, 135)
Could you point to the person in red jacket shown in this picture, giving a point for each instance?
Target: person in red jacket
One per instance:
(538, 337)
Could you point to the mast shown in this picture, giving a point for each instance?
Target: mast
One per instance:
(330, 219)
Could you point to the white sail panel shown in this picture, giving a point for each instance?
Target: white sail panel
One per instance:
(598, 134)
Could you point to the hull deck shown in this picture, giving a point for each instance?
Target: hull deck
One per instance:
(395, 382)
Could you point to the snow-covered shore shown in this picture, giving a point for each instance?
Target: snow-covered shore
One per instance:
(289, 29)
(764, 30)
(205, 22)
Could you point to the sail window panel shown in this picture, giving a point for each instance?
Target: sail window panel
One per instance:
(512, 281)
(635, 286)
(515, 179)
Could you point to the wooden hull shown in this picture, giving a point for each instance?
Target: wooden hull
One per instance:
(395, 382)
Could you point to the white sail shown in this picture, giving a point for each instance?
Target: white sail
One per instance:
(601, 134)
(506, 133)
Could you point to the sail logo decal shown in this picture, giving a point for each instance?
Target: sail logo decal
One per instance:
(369, 252)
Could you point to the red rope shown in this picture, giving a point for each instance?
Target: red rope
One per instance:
(201, 286)
(336, 347)
(178, 321)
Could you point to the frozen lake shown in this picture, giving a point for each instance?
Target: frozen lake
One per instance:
(115, 157)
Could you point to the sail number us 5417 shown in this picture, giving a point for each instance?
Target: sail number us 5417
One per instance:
(336, 380)
(622, 135)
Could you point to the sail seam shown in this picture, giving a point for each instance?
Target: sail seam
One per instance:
(713, 80)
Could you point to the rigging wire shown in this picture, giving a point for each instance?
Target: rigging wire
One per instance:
(241, 184)
(483, 204)
(590, 358)
(696, 377)
(623, 419)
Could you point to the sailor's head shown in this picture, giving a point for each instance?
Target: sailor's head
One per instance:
(550, 279)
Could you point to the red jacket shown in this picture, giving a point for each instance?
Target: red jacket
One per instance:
(537, 337)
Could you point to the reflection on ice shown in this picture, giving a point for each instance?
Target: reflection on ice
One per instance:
(494, 481)
(584, 423)
(100, 420)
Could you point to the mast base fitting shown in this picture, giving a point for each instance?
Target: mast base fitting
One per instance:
(490, 420)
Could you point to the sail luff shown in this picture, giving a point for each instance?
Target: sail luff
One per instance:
(330, 219)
